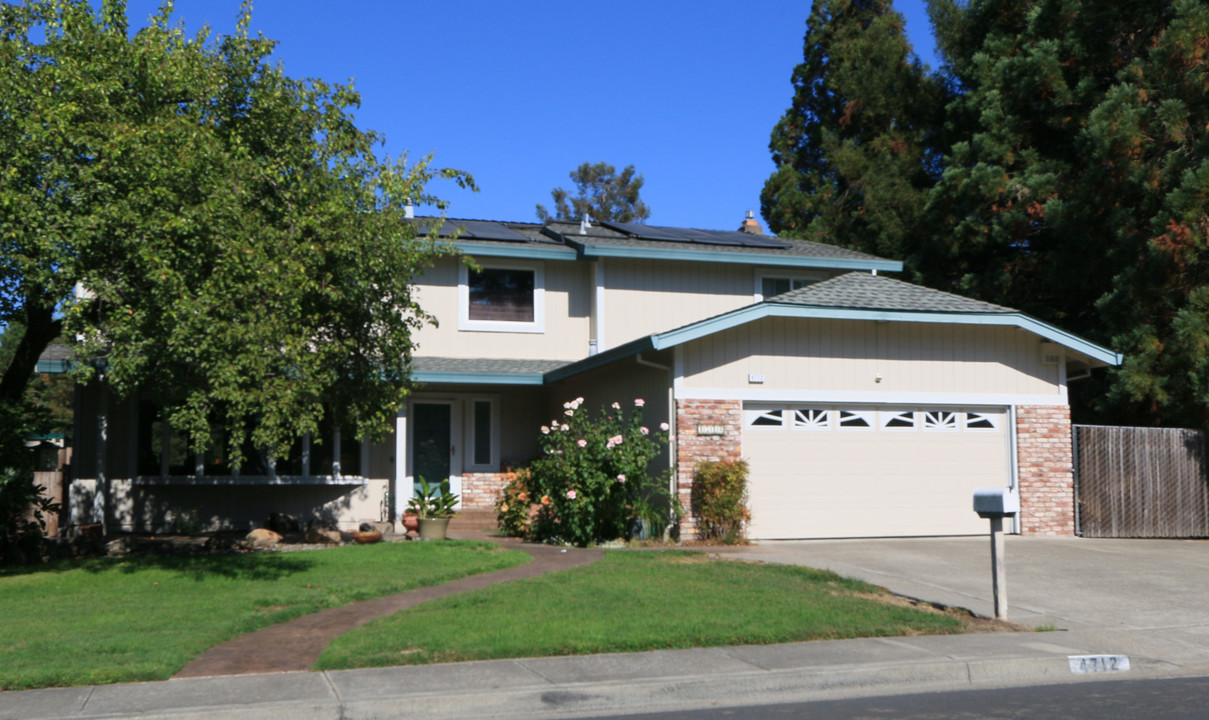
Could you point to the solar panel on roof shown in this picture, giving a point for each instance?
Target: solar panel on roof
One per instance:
(693, 235)
(483, 230)
(645, 232)
(472, 230)
(749, 240)
(705, 237)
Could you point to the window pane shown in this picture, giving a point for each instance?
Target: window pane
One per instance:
(215, 457)
(482, 432)
(290, 463)
(501, 294)
(148, 442)
(181, 461)
(350, 454)
(774, 286)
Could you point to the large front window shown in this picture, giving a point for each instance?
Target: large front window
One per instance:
(502, 294)
(163, 452)
(504, 297)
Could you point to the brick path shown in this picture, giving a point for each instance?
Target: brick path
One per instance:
(295, 645)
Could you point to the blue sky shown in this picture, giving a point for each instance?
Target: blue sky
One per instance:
(520, 93)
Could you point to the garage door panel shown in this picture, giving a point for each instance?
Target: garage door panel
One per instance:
(830, 482)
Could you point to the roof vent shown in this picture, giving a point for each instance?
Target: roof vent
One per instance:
(750, 225)
(585, 224)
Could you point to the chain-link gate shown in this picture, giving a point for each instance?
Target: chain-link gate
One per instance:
(1140, 482)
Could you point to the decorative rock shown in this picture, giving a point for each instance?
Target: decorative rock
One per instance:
(262, 539)
(119, 546)
(318, 536)
(283, 523)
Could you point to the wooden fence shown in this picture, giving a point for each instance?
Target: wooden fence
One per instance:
(1140, 482)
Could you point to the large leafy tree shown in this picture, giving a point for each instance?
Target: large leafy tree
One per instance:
(1066, 173)
(600, 192)
(852, 154)
(201, 226)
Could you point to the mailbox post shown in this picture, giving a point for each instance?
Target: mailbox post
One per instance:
(995, 504)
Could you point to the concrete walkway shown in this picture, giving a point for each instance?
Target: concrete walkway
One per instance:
(1121, 609)
(295, 645)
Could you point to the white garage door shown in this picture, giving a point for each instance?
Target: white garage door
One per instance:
(828, 472)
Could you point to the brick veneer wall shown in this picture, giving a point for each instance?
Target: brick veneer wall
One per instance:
(481, 490)
(692, 448)
(1046, 470)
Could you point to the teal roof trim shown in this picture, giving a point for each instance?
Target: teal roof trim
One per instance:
(749, 258)
(478, 378)
(528, 251)
(742, 316)
(601, 359)
(762, 310)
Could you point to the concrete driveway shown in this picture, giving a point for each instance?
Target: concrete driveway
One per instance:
(1146, 591)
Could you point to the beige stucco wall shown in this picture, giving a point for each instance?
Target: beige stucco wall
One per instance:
(567, 307)
(849, 355)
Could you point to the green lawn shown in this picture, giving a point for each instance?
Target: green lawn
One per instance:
(633, 601)
(143, 618)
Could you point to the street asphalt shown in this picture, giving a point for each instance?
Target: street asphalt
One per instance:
(1108, 609)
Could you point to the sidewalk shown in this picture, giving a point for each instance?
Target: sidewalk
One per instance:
(1112, 598)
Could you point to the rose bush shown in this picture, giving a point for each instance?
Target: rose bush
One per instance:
(593, 475)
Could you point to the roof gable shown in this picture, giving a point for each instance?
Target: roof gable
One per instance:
(873, 292)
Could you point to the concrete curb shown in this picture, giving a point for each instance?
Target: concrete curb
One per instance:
(620, 684)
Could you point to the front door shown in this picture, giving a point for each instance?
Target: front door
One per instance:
(432, 443)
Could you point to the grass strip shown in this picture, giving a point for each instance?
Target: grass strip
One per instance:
(102, 620)
(633, 601)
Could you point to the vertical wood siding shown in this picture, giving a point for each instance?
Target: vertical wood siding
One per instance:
(568, 294)
(649, 296)
(812, 354)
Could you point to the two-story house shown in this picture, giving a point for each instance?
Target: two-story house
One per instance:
(864, 405)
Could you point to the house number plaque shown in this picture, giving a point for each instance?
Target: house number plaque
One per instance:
(711, 429)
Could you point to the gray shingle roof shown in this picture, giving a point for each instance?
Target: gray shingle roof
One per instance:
(485, 365)
(856, 290)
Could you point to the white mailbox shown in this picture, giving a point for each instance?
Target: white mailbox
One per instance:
(996, 502)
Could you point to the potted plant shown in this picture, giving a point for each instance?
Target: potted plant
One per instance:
(433, 505)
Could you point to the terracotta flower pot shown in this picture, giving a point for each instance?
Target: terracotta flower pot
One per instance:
(365, 537)
(411, 523)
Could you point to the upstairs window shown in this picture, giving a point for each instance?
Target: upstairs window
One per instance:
(771, 284)
(502, 294)
(503, 298)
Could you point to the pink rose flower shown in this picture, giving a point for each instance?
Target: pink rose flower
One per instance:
(639, 402)
(581, 443)
(644, 430)
(621, 478)
(616, 439)
(571, 495)
(664, 427)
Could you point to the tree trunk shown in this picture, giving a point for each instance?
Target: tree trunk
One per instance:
(41, 328)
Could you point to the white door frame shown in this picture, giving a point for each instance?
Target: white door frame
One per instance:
(405, 443)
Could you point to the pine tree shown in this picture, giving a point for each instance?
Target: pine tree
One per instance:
(852, 153)
(601, 193)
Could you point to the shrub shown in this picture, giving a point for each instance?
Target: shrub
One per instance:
(512, 509)
(720, 499)
(592, 476)
(23, 508)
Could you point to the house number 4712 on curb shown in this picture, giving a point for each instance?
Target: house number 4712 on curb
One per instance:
(1082, 664)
